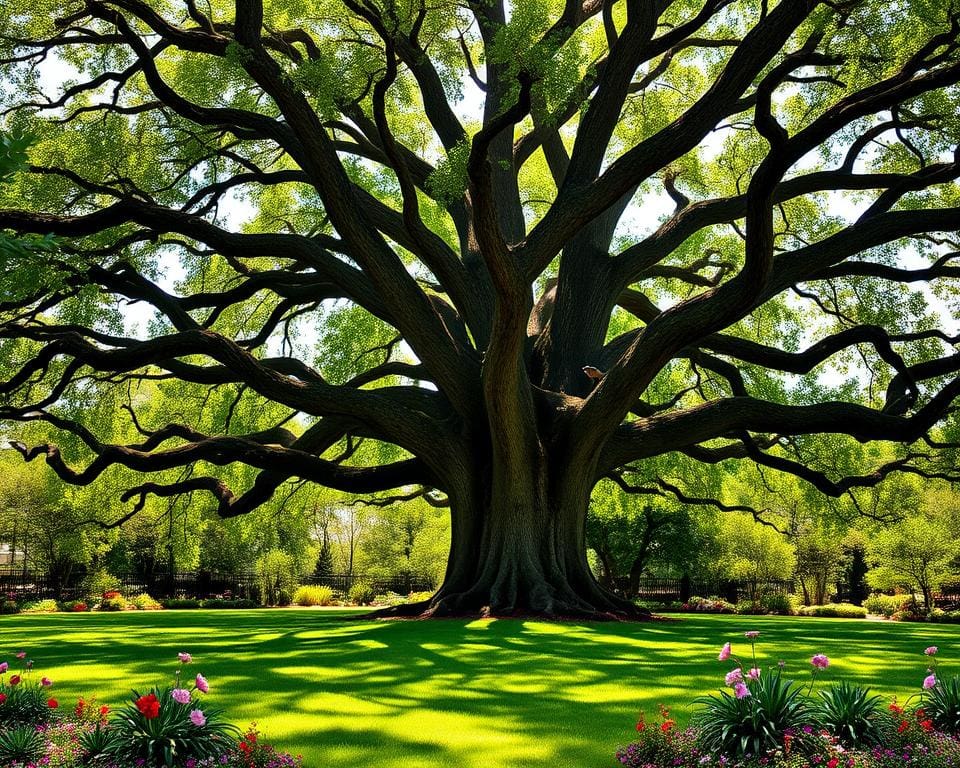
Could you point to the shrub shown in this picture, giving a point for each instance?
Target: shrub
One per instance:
(75, 606)
(313, 595)
(180, 602)
(277, 577)
(40, 606)
(709, 605)
(114, 603)
(849, 713)
(886, 605)
(21, 744)
(97, 583)
(749, 608)
(779, 603)
(222, 602)
(835, 611)
(361, 593)
(145, 603)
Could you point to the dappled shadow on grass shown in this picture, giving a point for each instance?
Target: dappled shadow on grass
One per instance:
(476, 694)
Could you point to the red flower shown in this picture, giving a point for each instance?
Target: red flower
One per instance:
(53, 703)
(666, 725)
(833, 762)
(927, 725)
(3, 697)
(14, 680)
(903, 726)
(641, 725)
(78, 710)
(895, 709)
(149, 706)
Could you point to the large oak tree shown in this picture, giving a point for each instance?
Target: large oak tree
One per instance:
(578, 236)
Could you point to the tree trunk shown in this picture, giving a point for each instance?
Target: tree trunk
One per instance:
(519, 550)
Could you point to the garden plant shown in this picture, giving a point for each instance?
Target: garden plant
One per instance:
(768, 720)
(166, 727)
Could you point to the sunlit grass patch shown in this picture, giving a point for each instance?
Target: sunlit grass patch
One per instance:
(344, 691)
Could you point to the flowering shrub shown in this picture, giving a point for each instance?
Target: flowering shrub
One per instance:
(766, 721)
(168, 727)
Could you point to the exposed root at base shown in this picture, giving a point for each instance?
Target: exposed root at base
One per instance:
(449, 608)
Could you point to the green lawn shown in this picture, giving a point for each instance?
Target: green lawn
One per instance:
(463, 694)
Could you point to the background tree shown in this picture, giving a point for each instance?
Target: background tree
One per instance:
(918, 555)
(498, 251)
(755, 554)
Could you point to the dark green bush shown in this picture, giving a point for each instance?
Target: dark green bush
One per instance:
(21, 744)
(180, 602)
(221, 602)
(361, 594)
(835, 611)
(754, 724)
(850, 713)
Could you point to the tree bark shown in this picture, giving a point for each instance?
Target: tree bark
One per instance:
(519, 551)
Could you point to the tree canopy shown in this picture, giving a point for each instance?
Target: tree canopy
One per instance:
(486, 254)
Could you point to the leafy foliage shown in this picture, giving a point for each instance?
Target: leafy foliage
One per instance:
(942, 704)
(753, 724)
(20, 744)
(168, 737)
(849, 712)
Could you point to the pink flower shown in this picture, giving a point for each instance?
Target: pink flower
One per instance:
(724, 652)
(202, 684)
(733, 677)
(180, 695)
(197, 717)
(754, 674)
(929, 681)
(741, 691)
(3, 667)
(46, 682)
(21, 654)
(820, 661)
(932, 650)
(752, 635)
(185, 658)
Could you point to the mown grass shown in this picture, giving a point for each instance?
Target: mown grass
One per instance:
(344, 691)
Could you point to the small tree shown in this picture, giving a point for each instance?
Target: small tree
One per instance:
(277, 576)
(819, 556)
(917, 554)
(756, 554)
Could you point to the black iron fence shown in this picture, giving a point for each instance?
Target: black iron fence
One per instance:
(26, 585)
(681, 589)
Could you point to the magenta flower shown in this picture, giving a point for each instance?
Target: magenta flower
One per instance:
(46, 682)
(180, 695)
(21, 654)
(929, 681)
(820, 661)
(197, 717)
(724, 652)
(752, 635)
(185, 658)
(733, 677)
(741, 691)
(202, 685)
(754, 674)
(932, 650)
(3, 667)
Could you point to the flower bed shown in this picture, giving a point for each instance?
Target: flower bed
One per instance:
(766, 720)
(172, 727)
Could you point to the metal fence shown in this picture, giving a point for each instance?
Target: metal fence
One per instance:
(28, 585)
(681, 589)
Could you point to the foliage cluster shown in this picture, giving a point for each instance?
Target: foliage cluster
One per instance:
(166, 727)
(769, 720)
